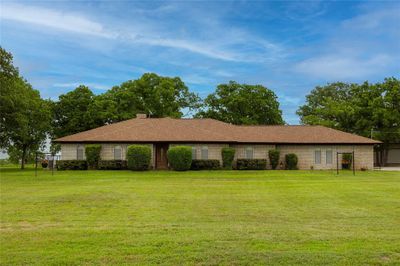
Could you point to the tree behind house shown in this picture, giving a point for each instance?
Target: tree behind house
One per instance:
(242, 104)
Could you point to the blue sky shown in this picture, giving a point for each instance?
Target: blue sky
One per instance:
(289, 47)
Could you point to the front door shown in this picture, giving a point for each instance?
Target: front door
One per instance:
(161, 156)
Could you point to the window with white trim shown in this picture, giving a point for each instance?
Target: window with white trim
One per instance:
(204, 152)
(249, 152)
(118, 153)
(79, 152)
(329, 157)
(194, 153)
(317, 157)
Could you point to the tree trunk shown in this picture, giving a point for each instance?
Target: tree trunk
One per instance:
(23, 158)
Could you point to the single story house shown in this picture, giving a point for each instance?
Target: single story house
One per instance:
(389, 156)
(316, 146)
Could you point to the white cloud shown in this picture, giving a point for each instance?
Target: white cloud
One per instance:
(342, 66)
(191, 46)
(54, 19)
(377, 19)
(365, 46)
(235, 45)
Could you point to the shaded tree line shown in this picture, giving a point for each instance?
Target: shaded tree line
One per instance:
(27, 119)
(369, 110)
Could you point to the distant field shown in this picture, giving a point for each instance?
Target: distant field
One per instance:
(218, 217)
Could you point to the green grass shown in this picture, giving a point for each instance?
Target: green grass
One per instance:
(218, 217)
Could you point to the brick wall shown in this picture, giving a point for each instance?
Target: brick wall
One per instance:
(306, 154)
(69, 151)
(214, 150)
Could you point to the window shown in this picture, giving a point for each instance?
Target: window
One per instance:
(204, 153)
(117, 153)
(317, 157)
(194, 153)
(249, 152)
(328, 157)
(79, 152)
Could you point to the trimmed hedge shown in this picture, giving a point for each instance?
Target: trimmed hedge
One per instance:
(251, 164)
(274, 158)
(291, 161)
(113, 165)
(92, 153)
(205, 165)
(180, 158)
(228, 154)
(138, 157)
(71, 165)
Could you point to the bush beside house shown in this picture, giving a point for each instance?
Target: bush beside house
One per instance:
(205, 165)
(273, 156)
(138, 157)
(180, 158)
(291, 161)
(92, 153)
(228, 154)
(251, 164)
(72, 165)
(113, 165)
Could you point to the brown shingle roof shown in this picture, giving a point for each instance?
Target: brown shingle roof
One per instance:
(210, 130)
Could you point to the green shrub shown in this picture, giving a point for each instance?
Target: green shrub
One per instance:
(113, 165)
(92, 153)
(251, 164)
(138, 157)
(205, 165)
(71, 165)
(228, 154)
(274, 158)
(180, 158)
(291, 161)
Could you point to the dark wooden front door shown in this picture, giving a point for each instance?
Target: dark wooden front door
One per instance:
(161, 156)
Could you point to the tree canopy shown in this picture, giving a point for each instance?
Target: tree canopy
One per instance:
(157, 96)
(151, 94)
(72, 112)
(242, 104)
(25, 116)
(357, 108)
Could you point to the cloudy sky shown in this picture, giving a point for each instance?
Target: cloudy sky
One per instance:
(289, 47)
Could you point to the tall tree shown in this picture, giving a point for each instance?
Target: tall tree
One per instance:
(72, 112)
(25, 117)
(365, 109)
(242, 104)
(330, 106)
(9, 77)
(151, 94)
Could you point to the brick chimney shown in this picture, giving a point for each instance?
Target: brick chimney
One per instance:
(141, 116)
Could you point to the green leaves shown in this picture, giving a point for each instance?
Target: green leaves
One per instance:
(25, 117)
(242, 104)
(153, 95)
(356, 108)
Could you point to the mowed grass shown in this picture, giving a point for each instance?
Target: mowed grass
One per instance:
(206, 217)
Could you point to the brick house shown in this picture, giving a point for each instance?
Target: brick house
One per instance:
(315, 146)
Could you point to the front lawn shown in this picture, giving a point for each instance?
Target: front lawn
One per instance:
(218, 217)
